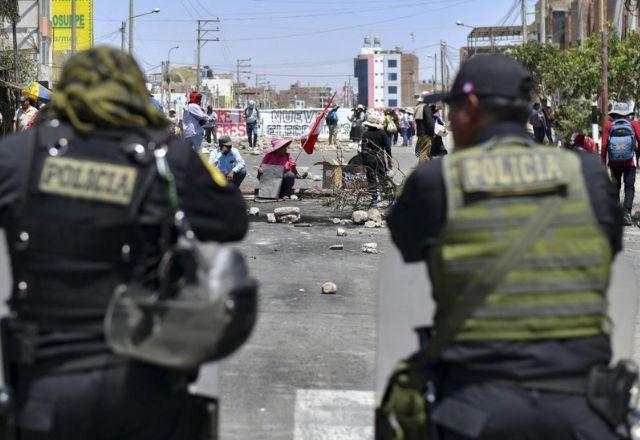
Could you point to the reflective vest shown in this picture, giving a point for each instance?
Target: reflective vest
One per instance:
(557, 289)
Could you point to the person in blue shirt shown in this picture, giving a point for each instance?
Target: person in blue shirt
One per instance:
(229, 161)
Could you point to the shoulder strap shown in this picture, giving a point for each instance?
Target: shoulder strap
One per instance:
(484, 283)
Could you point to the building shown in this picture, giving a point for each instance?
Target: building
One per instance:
(312, 96)
(33, 36)
(490, 39)
(386, 78)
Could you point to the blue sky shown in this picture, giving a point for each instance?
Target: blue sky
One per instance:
(313, 41)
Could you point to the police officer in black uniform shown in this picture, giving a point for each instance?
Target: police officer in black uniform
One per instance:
(530, 232)
(83, 209)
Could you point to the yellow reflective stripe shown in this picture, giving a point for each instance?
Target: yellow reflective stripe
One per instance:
(216, 175)
(587, 296)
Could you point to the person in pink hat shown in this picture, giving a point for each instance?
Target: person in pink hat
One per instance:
(276, 154)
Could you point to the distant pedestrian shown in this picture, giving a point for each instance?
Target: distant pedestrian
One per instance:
(173, 122)
(391, 125)
(252, 120)
(357, 119)
(425, 126)
(332, 124)
(620, 140)
(228, 160)
(376, 156)
(537, 121)
(548, 119)
(23, 115)
(210, 126)
(277, 154)
(193, 120)
(157, 104)
(440, 132)
(405, 125)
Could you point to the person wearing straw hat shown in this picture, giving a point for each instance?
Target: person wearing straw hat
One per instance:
(277, 154)
(620, 143)
(376, 155)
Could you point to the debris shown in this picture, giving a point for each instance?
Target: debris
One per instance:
(303, 225)
(336, 247)
(301, 290)
(374, 215)
(329, 288)
(303, 172)
(317, 178)
(341, 232)
(290, 218)
(286, 210)
(254, 211)
(346, 222)
(294, 197)
(360, 217)
(336, 221)
(271, 218)
(370, 248)
(370, 224)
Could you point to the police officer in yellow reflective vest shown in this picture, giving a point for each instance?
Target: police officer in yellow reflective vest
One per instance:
(518, 240)
(83, 208)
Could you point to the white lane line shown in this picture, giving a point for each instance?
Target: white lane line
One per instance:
(333, 415)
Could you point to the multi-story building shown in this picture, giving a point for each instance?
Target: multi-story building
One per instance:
(386, 78)
(313, 96)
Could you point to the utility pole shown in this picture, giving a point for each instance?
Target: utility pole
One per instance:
(123, 40)
(543, 21)
(131, 27)
(443, 47)
(244, 63)
(605, 60)
(73, 27)
(201, 41)
(435, 71)
(525, 35)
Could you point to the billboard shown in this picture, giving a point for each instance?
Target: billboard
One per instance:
(61, 22)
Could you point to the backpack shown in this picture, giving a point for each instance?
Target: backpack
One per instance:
(391, 127)
(332, 118)
(622, 141)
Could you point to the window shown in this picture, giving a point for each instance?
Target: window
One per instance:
(393, 63)
(393, 90)
(393, 77)
(393, 103)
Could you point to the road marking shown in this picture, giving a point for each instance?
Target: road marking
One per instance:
(333, 415)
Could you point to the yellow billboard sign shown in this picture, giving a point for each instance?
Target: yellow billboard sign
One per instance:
(61, 22)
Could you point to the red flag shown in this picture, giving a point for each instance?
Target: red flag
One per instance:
(309, 140)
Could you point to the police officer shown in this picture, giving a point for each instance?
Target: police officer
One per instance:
(83, 210)
(518, 240)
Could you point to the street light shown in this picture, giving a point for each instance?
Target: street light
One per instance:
(131, 17)
(461, 24)
(169, 74)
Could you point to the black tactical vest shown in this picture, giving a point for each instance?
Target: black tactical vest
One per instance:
(77, 233)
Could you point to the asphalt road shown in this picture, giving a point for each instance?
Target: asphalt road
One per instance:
(314, 361)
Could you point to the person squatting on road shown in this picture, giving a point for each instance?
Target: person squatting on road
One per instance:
(229, 161)
(252, 121)
(520, 345)
(193, 119)
(425, 129)
(376, 156)
(276, 154)
(84, 209)
(620, 140)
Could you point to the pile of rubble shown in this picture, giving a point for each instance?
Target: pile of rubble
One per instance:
(370, 219)
(286, 214)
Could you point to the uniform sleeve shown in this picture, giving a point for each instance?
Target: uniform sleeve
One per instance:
(418, 216)
(216, 210)
(604, 200)
(13, 157)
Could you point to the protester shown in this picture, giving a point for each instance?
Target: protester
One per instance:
(537, 121)
(580, 142)
(228, 160)
(405, 125)
(440, 132)
(173, 123)
(548, 119)
(210, 126)
(23, 115)
(357, 118)
(252, 120)
(193, 119)
(391, 125)
(157, 104)
(412, 126)
(332, 123)
(376, 156)
(620, 140)
(276, 154)
(425, 126)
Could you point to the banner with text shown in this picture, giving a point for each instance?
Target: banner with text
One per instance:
(61, 22)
